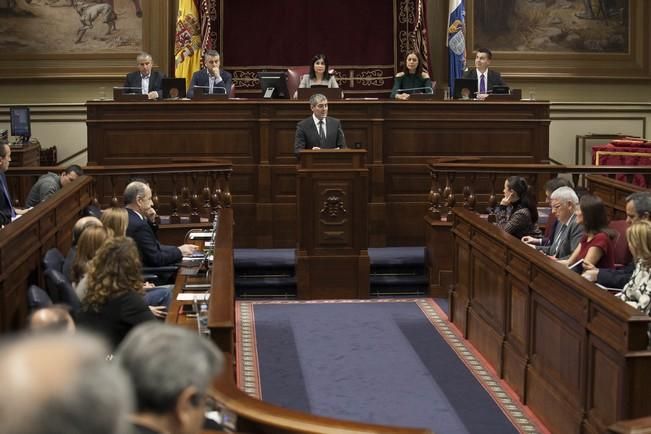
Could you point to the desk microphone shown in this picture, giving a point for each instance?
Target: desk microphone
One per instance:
(416, 88)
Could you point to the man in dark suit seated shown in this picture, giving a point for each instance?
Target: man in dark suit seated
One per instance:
(638, 207)
(7, 210)
(171, 370)
(486, 78)
(144, 80)
(214, 79)
(319, 131)
(137, 198)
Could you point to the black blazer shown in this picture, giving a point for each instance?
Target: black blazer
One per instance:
(307, 135)
(494, 78)
(153, 254)
(155, 81)
(5, 202)
(200, 78)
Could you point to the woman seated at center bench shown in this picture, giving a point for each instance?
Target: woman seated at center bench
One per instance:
(517, 213)
(596, 246)
(412, 79)
(319, 74)
(637, 292)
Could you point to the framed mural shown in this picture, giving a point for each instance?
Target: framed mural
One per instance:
(80, 38)
(564, 38)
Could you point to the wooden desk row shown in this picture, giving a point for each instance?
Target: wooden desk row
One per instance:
(23, 244)
(573, 353)
(257, 136)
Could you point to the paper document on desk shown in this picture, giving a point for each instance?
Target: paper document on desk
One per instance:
(200, 235)
(192, 296)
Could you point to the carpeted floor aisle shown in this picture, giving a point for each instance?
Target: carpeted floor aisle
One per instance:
(381, 361)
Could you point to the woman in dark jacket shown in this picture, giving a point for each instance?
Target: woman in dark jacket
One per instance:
(517, 213)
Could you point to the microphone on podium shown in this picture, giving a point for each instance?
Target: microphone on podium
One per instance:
(411, 89)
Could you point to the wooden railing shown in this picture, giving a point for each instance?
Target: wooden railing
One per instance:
(476, 186)
(24, 242)
(182, 191)
(573, 353)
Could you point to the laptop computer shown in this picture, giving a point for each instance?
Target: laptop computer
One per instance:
(465, 88)
(173, 88)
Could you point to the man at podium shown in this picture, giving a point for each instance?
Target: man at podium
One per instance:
(319, 131)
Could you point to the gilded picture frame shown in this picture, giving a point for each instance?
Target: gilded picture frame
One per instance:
(83, 38)
(582, 39)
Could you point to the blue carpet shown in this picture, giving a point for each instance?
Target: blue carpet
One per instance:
(379, 362)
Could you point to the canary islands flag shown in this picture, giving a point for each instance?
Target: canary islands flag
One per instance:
(456, 40)
(187, 44)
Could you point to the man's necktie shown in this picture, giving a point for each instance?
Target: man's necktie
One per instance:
(321, 133)
(482, 84)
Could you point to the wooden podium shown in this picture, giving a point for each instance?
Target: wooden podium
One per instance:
(332, 248)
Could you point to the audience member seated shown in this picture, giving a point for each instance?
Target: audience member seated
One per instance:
(171, 369)
(7, 210)
(113, 304)
(158, 298)
(90, 241)
(212, 77)
(55, 383)
(77, 230)
(550, 186)
(51, 319)
(638, 207)
(319, 74)
(567, 232)
(137, 197)
(517, 213)
(637, 292)
(412, 78)
(596, 246)
(50, 183)
(486, 78)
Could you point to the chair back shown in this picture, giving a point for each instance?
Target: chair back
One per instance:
(294, 75)
(37, 298)
(620, 245)
(53, 260)
(61, 290)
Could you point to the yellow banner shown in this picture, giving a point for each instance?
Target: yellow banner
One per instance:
(187, 44)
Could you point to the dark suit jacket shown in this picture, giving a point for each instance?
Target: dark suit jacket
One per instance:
(307, 135)
(155, 81)
(153, 254)
(615, 278)
(200, 78)
(570, 238)
(494, 77)
(5, 204)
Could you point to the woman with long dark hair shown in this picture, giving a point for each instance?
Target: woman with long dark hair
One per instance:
(596, 246)
(412, 78)
(517, 213)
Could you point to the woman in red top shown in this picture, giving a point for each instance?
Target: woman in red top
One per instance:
(596, 246)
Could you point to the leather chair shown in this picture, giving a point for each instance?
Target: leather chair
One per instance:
(37, 298)
(60, 290)
(620, 245)
(53, 260)
(294, 75)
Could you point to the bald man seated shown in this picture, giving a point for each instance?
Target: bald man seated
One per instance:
(55, 383)
(51, 318)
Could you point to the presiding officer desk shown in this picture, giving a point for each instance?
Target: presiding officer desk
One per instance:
(257, 136)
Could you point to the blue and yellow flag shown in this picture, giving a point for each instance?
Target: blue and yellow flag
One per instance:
(456, 40)
(187, 44)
